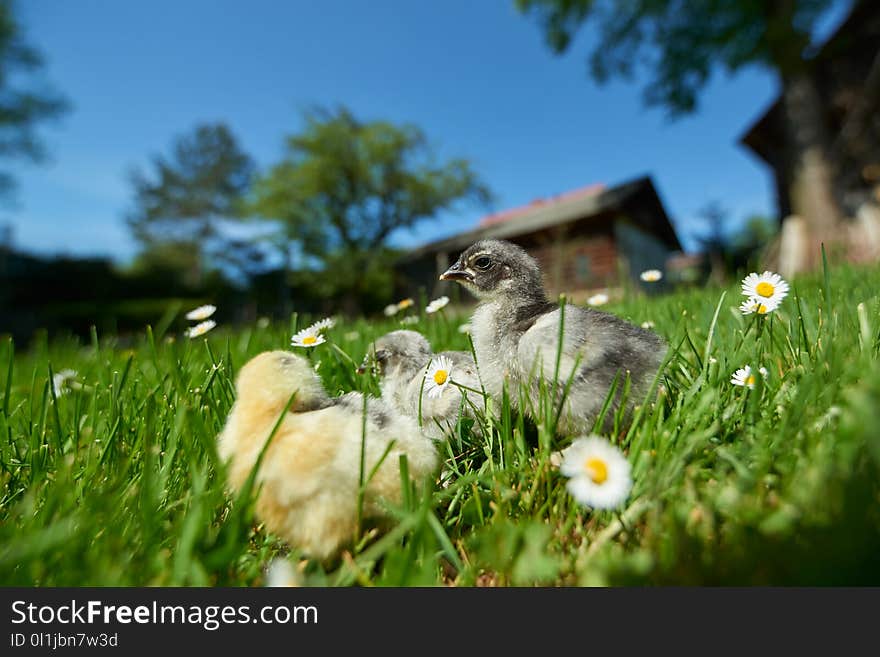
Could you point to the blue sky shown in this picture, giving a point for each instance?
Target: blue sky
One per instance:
(476, 76)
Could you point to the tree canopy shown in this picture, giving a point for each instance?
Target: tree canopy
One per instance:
(346, 184)
(178, 205)
(682, 42)
(24, 100)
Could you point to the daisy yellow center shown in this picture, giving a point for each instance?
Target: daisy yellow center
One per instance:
(310, 339)
(751, 380)
(440, 377)
(765, 289)
(762, 309)
(597, 469)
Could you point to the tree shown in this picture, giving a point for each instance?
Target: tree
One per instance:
(756, 234)
(22, 106)
(345, 185)
(715, 243)
(730, 251)
(683, 43)
(178, 210)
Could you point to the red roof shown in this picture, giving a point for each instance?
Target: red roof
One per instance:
(505, 215)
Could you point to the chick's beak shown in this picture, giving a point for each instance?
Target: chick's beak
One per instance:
(457, 272)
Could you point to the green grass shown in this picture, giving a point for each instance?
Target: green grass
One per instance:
(118, 482)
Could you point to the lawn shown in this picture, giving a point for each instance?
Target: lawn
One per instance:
(116, 481)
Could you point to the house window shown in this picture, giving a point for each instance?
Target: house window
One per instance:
(582, 267)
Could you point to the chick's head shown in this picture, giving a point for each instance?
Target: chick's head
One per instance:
(400, 350)
(493, 268)
(271, 377)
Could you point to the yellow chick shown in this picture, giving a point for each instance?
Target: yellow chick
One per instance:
(309, 478)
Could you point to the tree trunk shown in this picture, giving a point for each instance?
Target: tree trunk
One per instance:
(195, 274)
(811, 173)
(353, 297)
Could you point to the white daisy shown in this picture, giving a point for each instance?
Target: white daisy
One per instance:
(647, 325)
(464, 328)
(325, 324)
(308, 337)
(651, 275)
(200, 313)
(598, 300)
(61, 381)
(405, 303)
(281, 573)
(745, 377)
(758, 305)
(409, 321)
(768, 287)
(437, 304)
(263, 322)
(599, 473)
(438, 377)
(390, 309)
(200, 329)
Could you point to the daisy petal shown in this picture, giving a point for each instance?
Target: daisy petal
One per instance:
(308, 337)
(201, 313)
(200, 329)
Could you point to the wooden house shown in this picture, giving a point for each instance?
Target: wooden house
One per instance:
(588, 239)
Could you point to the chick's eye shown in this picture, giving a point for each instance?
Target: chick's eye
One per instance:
(483, 263)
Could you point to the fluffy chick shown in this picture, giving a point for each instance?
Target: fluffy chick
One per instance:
(515, 330)
(402, 358)
(309, 476)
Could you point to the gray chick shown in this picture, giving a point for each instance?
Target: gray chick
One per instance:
(403, 359)
(515, 330)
